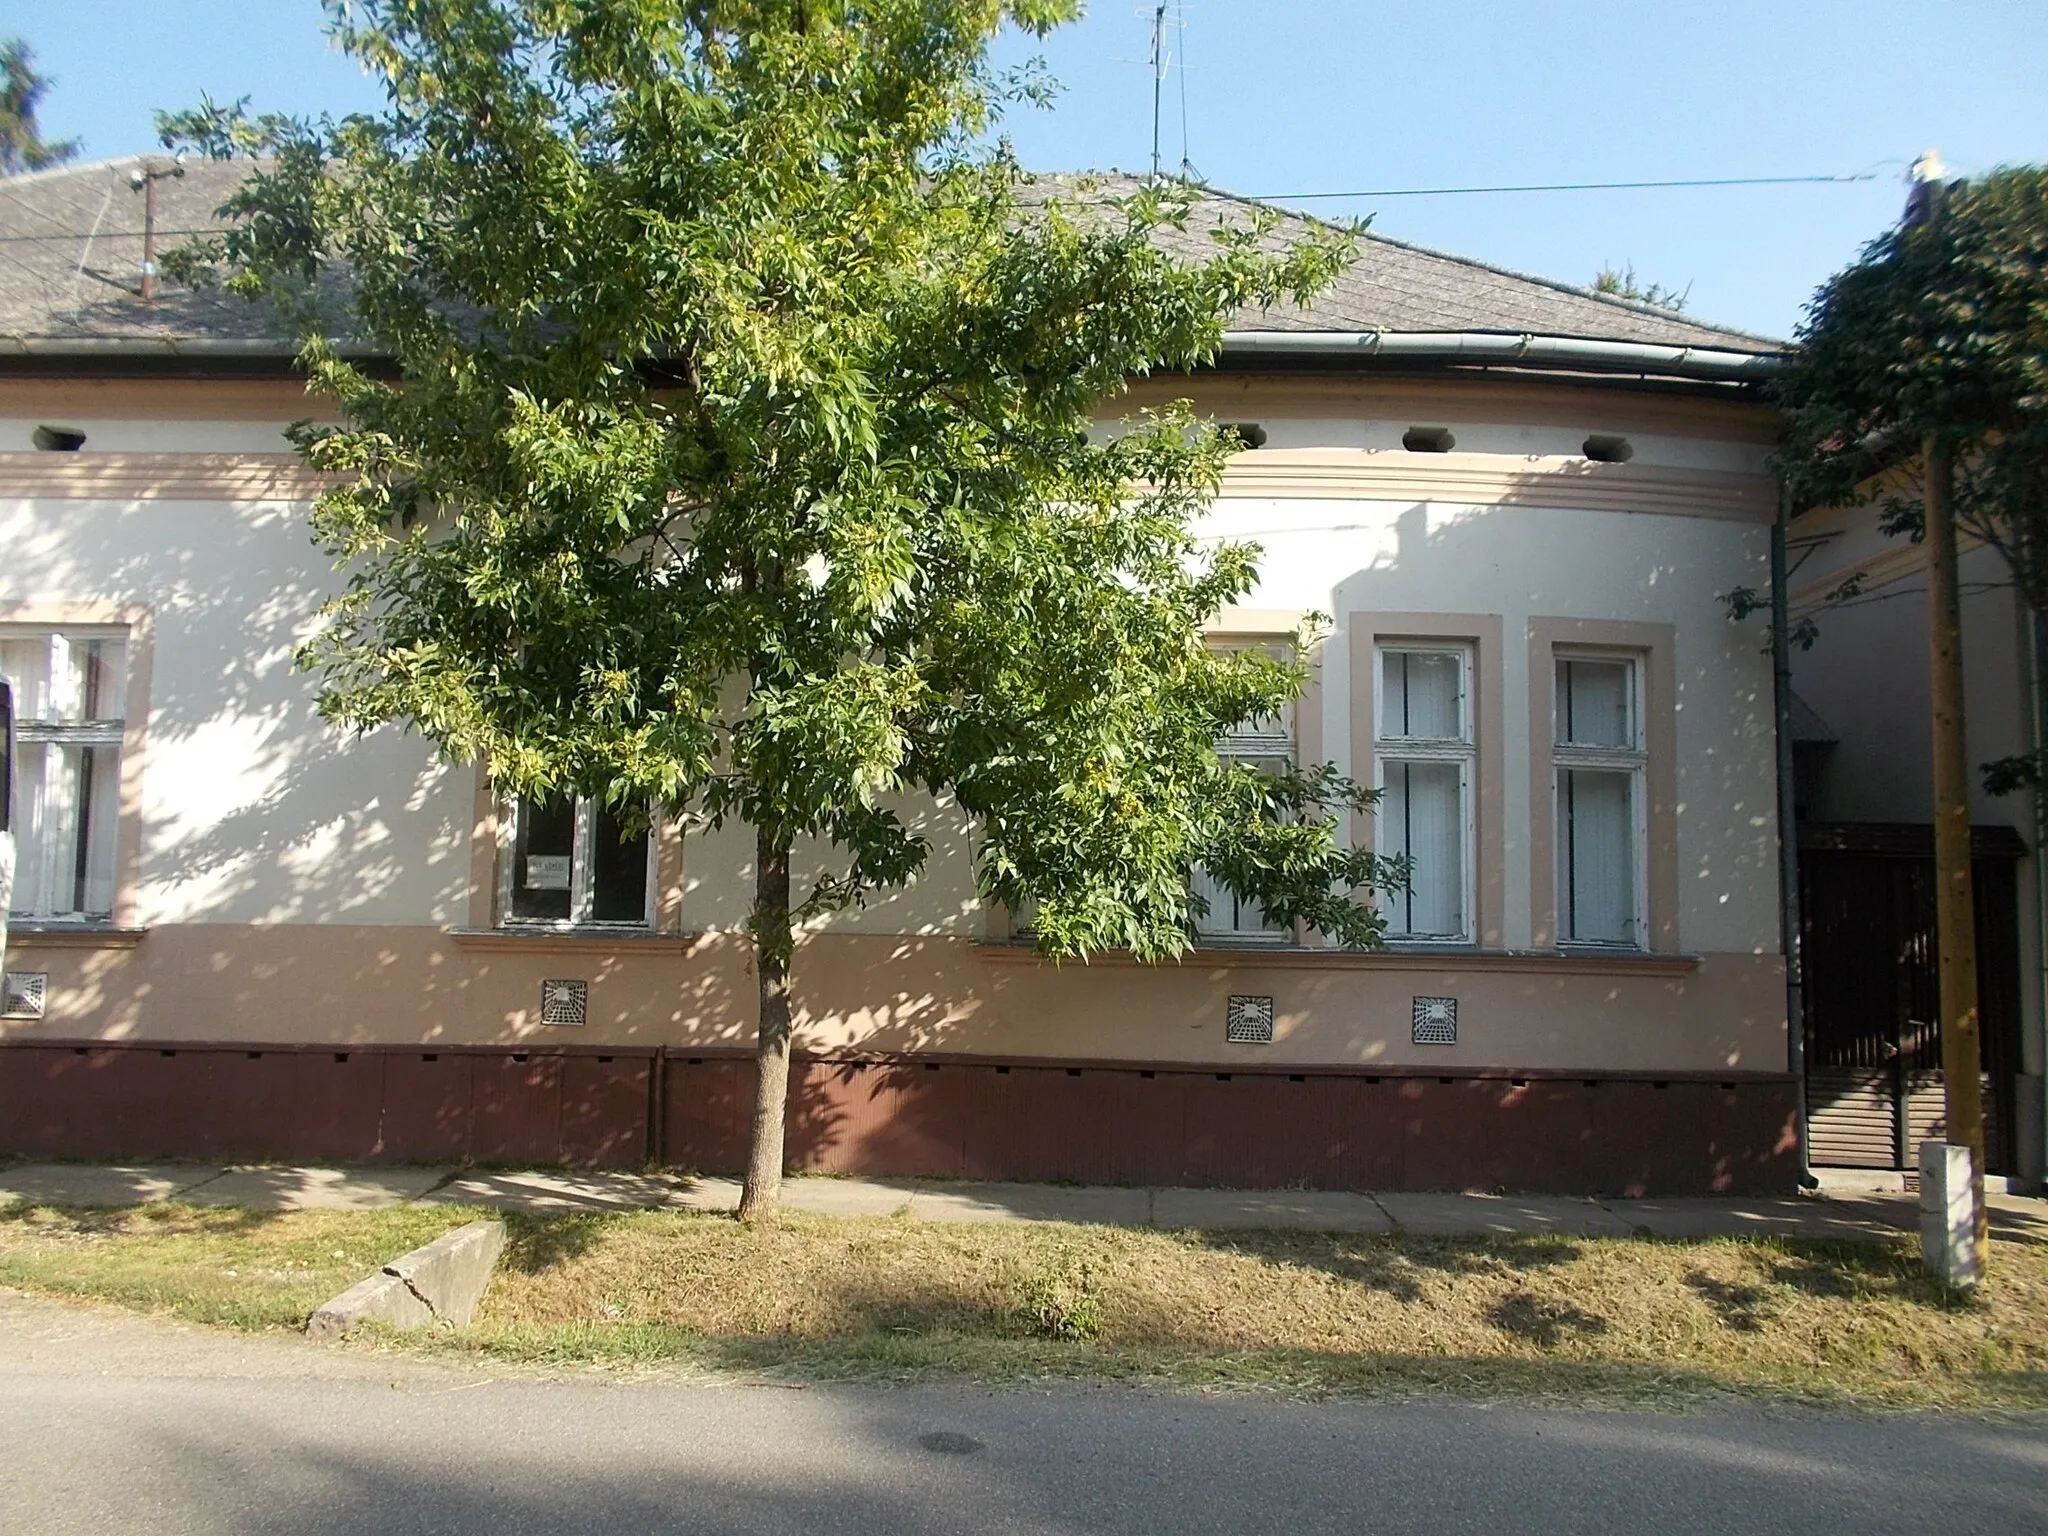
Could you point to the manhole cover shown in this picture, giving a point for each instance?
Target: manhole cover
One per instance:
(949, 1443)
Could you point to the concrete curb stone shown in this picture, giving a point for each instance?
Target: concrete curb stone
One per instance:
(440, 1282)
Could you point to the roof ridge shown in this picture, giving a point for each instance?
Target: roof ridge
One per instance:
(52, 172)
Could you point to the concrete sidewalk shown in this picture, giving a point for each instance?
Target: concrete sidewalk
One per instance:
(1861, 1216)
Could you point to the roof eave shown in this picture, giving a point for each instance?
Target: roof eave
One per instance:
(1320, 349)
(1721, 365)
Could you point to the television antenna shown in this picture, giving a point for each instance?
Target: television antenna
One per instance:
(1169, 27)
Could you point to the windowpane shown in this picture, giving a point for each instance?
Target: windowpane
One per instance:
(1596, 704)
(544, 860)
(65, 679)
(618, 882)
(35, 850)
(1596, 860)
(1423, 695)
(1260, 733)
(25, 661)
(1230, 916)
(1422, 815)
(100, 811)
(65, 815)
(99, 678)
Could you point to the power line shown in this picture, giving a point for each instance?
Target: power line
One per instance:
(1278, 197)
(1563, 186)
(112, 234)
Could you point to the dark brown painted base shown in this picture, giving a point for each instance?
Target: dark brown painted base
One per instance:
(1097, 1124)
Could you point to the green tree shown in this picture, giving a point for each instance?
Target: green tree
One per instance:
(22, 89)
(1939, 329)
(1932, 350)
(734, 459)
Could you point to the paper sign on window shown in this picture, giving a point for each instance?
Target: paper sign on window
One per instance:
(547, 871)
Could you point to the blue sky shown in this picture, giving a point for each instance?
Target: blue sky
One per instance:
(1331, 95)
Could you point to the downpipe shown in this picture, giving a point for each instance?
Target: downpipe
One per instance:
(1788, 841)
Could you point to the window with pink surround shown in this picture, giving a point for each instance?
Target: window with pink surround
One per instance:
(70, 688)
(1600, 764)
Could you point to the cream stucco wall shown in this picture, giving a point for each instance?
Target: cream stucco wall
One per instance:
(254, 812)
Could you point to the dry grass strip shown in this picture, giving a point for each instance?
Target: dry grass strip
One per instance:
(1635, 1318)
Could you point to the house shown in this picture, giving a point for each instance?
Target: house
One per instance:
(238, 932)
(1863, 741)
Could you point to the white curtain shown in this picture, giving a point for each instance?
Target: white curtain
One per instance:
(66, 810)
(66, 800)
(1422, 815)
(1596, 865)
(1595, 704)
(1421, 695)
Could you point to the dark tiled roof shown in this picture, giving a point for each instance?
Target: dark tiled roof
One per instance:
(71, 258)
(1394, 286)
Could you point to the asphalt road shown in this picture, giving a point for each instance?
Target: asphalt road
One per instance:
(110, 1423)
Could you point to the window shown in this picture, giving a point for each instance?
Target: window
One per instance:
(1269, 744)
(1425, 755)
(569, 864)
(1600, 765)
(70, 691)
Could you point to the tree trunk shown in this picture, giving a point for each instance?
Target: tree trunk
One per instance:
(1955, 918)
(773, 941)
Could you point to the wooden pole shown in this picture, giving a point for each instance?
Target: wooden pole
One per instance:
(1954, 914)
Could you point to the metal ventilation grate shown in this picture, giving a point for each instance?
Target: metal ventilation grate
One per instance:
(1436, 1021)
(564, 1002)
(1248, 1020)
(23, 994)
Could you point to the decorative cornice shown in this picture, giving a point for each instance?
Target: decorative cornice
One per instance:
(88, 476)
(1484, 479)
(1362, 474)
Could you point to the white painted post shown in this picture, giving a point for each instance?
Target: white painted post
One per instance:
(1948, 1245)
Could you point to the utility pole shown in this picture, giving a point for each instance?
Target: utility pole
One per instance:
(143, 179)
(1955, 1239)
(1955, 919)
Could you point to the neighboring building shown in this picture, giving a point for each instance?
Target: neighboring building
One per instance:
(1516, 500)
(1864, 742)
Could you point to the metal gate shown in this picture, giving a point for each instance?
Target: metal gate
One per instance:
(1873, 1044)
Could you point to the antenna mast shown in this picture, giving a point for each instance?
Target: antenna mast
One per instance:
(1158, 76)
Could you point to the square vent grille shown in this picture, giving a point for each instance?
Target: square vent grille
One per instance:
(564, 1002)
(1436, 1021)
(23, 993)
(1248, 1020)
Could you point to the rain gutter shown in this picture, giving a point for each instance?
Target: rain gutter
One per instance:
(1714, 364)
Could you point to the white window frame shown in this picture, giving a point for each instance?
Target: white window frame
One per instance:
(1462, 750)
(582, 857)
(1634, 760)
(108, 732)
(1269, 740)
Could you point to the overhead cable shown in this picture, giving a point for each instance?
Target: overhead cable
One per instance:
(1563, 186)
